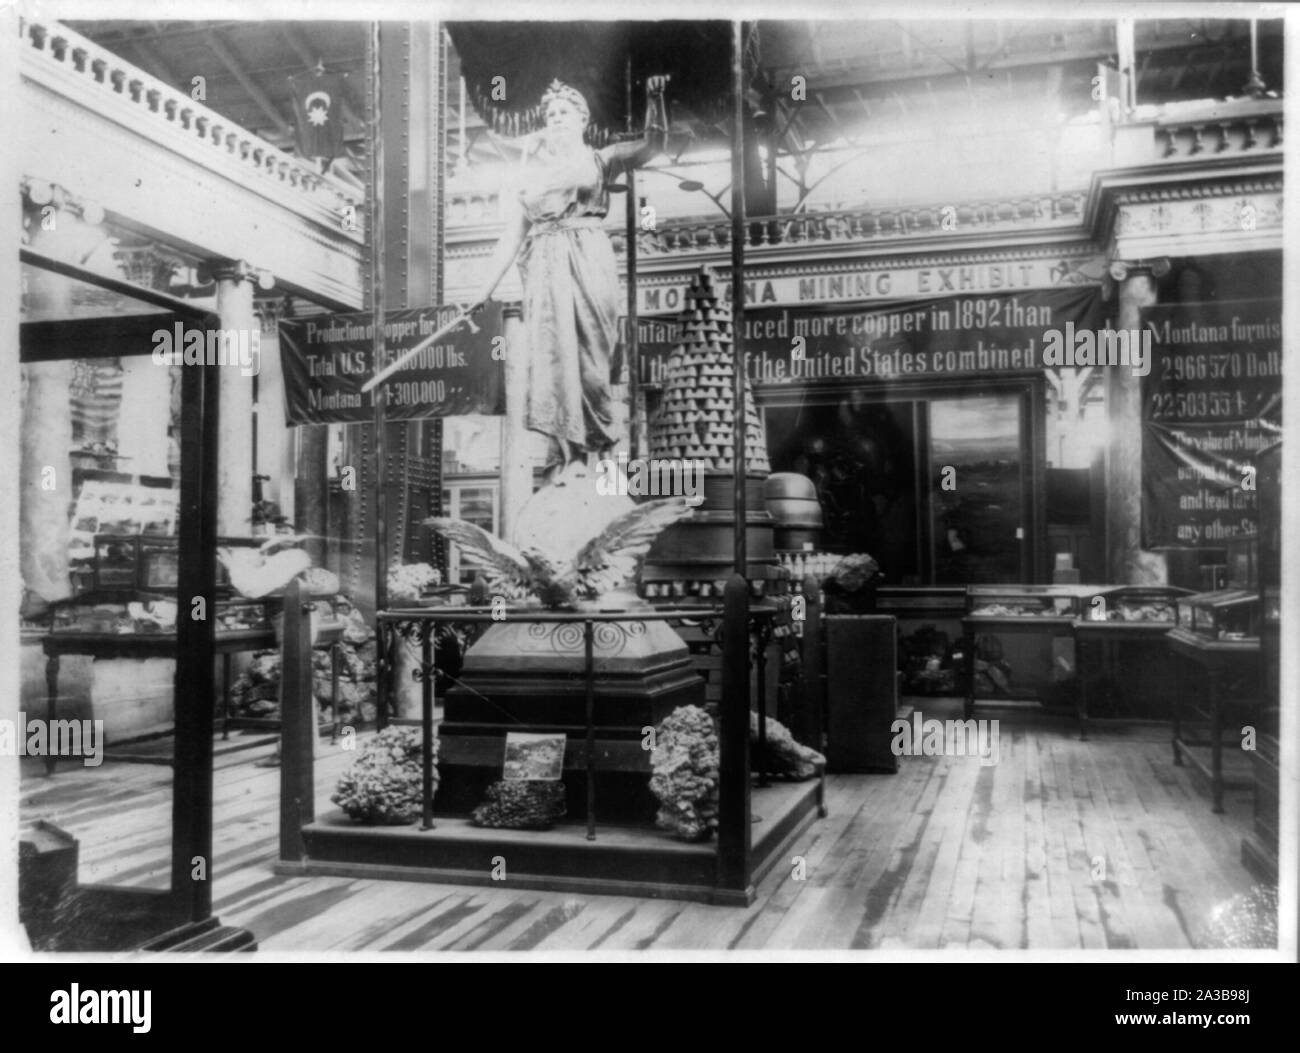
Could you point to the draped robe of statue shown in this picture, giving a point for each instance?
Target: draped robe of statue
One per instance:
(570, 302)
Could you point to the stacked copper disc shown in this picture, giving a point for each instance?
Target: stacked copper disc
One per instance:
(697, 417)
(696, 424)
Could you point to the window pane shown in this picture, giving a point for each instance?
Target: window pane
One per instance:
(977, 485)
(477, 506)
(860, 456)
(99, 559)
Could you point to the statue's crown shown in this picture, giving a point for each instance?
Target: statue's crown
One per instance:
(571, 95)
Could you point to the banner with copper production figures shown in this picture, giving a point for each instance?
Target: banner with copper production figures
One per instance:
(984, 335)
(1211, 402)
(328, 358)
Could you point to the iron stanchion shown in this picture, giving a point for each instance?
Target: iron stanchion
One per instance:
(588, 647)
(426, 722)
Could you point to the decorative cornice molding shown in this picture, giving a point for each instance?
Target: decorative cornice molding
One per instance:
(65, 62)
(1201, 191)
(790, 269)
(201, 206)
(1092, 232)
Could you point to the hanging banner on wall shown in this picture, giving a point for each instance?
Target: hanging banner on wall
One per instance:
(327, 358)
(1213, 400)
(925, 339)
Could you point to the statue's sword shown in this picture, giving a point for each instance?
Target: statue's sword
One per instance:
(397, 363)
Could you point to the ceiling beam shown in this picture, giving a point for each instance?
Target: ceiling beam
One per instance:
(864, 75)
(228, 59)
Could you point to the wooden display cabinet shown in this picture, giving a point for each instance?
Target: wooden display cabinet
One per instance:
(146, 563)
(929, 662)
(1216, 644)
(1123, 661)
(1019, 640)
(1224, 614)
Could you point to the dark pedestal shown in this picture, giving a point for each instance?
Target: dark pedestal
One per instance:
(531, 678)
(702, 548)
(47, 881)
(862, 692)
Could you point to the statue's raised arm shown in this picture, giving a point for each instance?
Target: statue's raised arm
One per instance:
(622, 156)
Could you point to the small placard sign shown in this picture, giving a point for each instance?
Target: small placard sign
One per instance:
(533, 757)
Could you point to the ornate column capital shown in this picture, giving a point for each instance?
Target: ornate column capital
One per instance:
(148, 264)
(269, 311)
(226, 270)
(1157, 267)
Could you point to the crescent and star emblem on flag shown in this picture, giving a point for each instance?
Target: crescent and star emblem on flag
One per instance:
(317, 114)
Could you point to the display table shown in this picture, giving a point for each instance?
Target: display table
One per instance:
(1121, 651)
(1220, 664)
(929, 635)
(1107, 641)
(1016, 635)
(227, 642)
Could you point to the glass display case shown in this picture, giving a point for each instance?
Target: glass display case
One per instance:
(1019, 642)
(1124, 665)
(1224, 614)
(1026, 601)
(1216, 645)
(1155, 605)
(930, 653)
(139, 563)
(236, 615)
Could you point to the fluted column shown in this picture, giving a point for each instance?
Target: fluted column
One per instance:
(1137, 289)
(45, 467)
(274, 451)
(516, 464)
(234, 280)
(145, 415)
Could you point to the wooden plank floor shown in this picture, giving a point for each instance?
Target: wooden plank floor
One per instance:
(1060, 845)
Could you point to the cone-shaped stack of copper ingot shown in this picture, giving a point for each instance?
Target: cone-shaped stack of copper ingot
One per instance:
(695, 425)
(696, 418)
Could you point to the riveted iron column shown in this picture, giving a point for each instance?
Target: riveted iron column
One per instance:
(631, 350)
(735, 837)
(194, 700)
(589, 670)
(426, 723)
(375, 238)
(740, 422)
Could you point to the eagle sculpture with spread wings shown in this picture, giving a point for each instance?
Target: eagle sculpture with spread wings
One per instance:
(603, 563)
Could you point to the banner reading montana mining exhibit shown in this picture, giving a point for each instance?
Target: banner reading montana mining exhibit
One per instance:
(1212, 400)
(327, 358)
(931, 339)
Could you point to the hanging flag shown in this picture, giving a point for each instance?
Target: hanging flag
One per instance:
(1108, 93)
(318, 114)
